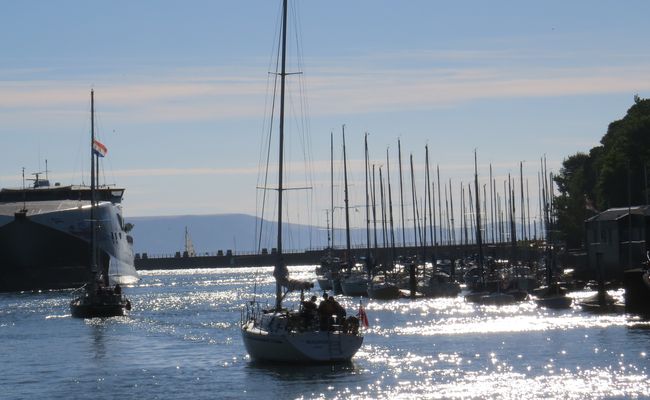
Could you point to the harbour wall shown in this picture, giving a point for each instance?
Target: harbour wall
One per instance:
(523, 253)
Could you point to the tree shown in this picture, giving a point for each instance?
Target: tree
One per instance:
(611, 175)
(626, 152)
(575, 187)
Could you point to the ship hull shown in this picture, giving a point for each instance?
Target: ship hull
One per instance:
(33, 257)
(48, 246)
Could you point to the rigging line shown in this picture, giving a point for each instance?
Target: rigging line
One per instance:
(301, 84)
(267, 138)
(81, 150)
(270, 137)
(99, 127)
(307, 163)
(98, 137)
(263, 144)
(303, 121)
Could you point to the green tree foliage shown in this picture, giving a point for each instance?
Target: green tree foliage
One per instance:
(575, 186)
(600, 179)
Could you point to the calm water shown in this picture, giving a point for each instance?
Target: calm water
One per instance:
(181, 340)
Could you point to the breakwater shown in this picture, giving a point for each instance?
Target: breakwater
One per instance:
(524, 253)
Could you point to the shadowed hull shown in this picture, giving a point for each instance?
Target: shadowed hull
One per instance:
(34, 256)
(107, 305)
(304, 347)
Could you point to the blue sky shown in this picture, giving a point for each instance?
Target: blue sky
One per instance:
(181, 89)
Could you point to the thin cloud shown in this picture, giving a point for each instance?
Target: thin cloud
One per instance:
(213, 94)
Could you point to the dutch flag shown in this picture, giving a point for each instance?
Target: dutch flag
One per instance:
(99, 149)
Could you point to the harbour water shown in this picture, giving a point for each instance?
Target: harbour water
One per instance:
(182, 340)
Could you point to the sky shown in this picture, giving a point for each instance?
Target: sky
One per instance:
(181, 91)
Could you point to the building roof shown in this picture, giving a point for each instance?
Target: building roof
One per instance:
(614, 214)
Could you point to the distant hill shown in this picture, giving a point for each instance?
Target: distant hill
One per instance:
(210, 233)
(236, 232)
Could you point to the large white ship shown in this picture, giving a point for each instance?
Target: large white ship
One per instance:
(45, 237)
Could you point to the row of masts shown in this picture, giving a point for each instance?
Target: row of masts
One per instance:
(494, 212)
(501, 220)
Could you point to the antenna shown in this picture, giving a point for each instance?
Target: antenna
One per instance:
(24, 193)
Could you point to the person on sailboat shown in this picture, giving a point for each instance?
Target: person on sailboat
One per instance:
(325, 312)
(309, 312)
(337, 309)
(309, 306)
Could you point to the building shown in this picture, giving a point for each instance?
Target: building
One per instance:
(617, 239)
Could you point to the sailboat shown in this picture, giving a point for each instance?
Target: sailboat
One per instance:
(379, 287)
(280, 335)
(329, 265)
(355, 281)
(97, 298)
(189, 245)
(478, 295)
(553, 296)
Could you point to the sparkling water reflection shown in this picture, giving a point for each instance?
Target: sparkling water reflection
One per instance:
(182, 340)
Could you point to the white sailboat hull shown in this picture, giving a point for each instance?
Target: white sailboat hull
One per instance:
(299, 347)
(355, 286)
(324, 283)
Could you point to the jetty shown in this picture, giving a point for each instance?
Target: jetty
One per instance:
(229, 259)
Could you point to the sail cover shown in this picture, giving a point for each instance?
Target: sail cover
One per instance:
(281, 274)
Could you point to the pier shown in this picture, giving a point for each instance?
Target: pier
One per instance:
(523, 252)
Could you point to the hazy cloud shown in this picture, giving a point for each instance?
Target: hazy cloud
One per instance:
(190, 94)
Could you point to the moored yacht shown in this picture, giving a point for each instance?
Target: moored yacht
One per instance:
(280, 335)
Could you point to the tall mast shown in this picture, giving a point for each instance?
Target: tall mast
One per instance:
(495, 207)
(439, 206)
(347, 203)
(382, 201)
(530, 235)
(463, 217)
(332, 183)
(485, 217)
(491, 205)
(401, 190)
(453, 224)
(505, 218)
(279, 267)
(428, 193)
(390, 209)
(524, 235)
(447, 224)
(373, 198)
(540, 202)
(513, 234)
(365, 143)
(415, 205)
(479, 240)
(470, 201)
(412, 264)
(93, 248)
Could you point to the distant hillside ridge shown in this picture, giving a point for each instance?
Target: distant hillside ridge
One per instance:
(163, 235)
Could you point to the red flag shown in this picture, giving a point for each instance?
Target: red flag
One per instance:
(362, 316)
